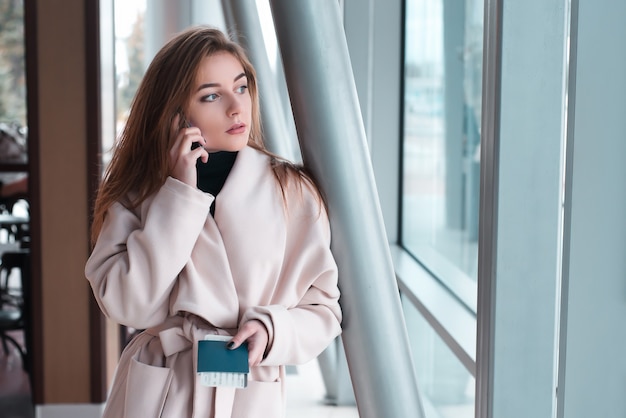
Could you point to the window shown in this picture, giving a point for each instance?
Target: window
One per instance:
(12, 63)
(441, 140)
(13, 128)
(130, 65)
(129, 53)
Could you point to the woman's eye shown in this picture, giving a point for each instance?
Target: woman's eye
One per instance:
(242, 89)
(210, 97)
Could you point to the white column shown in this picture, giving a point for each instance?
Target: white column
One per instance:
(164, 18)
(374, 35)
(334, 146)
(243, 19)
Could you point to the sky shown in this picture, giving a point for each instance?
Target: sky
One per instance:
(125, 15)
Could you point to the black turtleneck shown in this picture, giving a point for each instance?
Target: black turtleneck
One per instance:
(212, 175)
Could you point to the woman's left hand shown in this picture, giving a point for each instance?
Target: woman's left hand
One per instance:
(255, 333)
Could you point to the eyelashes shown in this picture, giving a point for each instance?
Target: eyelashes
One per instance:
(213, 97)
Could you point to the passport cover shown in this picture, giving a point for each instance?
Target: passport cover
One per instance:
(214, 356)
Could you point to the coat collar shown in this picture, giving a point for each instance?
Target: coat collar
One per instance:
(242, 187)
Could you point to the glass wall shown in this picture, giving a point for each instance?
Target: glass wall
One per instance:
(12, 63)
(129, 24)
(441, 139)
(446, 386)
(13, 128)
(442, 101)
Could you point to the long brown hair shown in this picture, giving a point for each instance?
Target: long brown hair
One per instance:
(140, 161)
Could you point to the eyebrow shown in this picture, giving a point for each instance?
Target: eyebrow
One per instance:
(209, 85)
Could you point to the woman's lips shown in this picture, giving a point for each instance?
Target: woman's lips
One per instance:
(237, 128)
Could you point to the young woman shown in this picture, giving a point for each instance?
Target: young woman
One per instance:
(199, 230)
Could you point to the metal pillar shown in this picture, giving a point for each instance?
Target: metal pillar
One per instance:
(164, 18)
(334, 147)
(242, 19)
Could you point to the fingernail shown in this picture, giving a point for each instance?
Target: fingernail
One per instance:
(230, 345)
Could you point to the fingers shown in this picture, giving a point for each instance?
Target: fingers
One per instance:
(256, 335)
(187, 137)
(183, 158)
(245, 332)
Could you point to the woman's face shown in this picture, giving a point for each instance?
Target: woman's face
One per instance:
(220, 105)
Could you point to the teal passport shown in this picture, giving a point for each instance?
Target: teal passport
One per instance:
(214, 356)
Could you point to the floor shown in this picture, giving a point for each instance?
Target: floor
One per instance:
(305, 391)
(15, 401)
(305, 396)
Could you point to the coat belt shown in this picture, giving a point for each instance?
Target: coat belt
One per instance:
(182, 333)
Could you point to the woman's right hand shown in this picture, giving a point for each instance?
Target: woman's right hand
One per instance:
(182, 157)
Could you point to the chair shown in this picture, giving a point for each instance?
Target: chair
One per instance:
(14, 302)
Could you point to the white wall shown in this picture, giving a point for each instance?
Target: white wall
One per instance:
(593, 364)
(529, 191)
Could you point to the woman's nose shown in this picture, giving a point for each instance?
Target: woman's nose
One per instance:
(234, 106)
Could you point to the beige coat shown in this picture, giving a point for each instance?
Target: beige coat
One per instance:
(173, 269)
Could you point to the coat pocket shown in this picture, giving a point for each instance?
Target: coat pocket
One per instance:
(146, 389)
(259, 400)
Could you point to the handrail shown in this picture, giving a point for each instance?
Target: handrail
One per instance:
(444, 312)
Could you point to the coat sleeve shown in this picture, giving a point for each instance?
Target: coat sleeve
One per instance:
(300, 332)
(137, 257)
